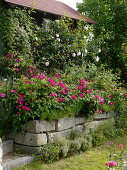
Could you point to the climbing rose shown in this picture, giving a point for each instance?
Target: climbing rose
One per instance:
(12, 91)
(96, 96)
(80, 87)
(20, 101)
(73, 96)
(2, 95)
(60, 99)
(53, 94)
(25, 108)
(111, 103)
(81, 95)
(57, 75)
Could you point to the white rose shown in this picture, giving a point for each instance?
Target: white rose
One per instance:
(58, 39)
(79, 53)
(57, 35)
(73, 55)
(47, 63)
(99, 50)
(97, 59)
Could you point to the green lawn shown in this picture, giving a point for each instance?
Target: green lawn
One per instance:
(94, 159)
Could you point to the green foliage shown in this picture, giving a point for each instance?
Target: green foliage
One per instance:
(50, 153)
(110, 31)
(56, 47)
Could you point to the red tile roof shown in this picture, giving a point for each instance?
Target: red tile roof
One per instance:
(52, 6)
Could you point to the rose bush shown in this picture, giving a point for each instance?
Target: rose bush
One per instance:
(34, 95)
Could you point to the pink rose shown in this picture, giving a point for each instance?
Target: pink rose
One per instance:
(25, 108)
(73, 97)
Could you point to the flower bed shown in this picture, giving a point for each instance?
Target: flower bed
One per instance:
(37, 96)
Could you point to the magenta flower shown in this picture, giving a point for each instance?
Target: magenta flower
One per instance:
(57, 75)
(80, 87)
(85, 86)
(28, 82)
(12, 91)
(97, 96)
(73, 97)
(52, 82)
(18, 69)
(18, 113)
(20, 101)
(120, 145)
(111, 163)
(110, 95)
(60, 99)
(90, 91)
(111, 103)
(81, 95)
(42, 76)
(21, 95)
(64, 92)
(53, 94)
(61, 84)
(25, 108)
(17, 60)
(102, 102)
(2, 95)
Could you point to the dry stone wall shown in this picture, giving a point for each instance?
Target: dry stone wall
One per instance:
(1, 168)
(38, 132)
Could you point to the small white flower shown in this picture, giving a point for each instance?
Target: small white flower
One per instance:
(73, 55)
(99, 50)
(79, 53)
(91, 34)
(97, 59)
(57, 35)
(86, 51)
(85, 37)
(4, 79)
(86, 28)
(47, 63)
(58, 39)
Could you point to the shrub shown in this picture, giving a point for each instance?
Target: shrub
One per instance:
(50, 153)
(64, 145)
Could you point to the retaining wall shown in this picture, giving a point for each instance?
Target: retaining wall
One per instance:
(37, 132)
(1, 168)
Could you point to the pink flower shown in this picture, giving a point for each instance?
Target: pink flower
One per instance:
(21, 95)
(53, 94)
(97, 97)
(61, 84)
(53, 83)
(73, 97)
(17, 60)
(85, 86)
(2, 95)
(18, 69)
(82, 83)
(80, 87)
(57, 75)
(60, 99)
(81, 95)
(120, 145)
(42, 76)
(64, 92)
(111, 103)
(12, 91)
(17, 107)
(18, 113)
(83, 91)
(102, 102)
(111, 163)
(28, 82)
(20, 101)
(25, 108)
(110, 95)
(101, 99)
(31, 67)
(90, 91)
(81, 80)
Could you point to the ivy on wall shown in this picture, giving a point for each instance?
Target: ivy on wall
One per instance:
(53, 48)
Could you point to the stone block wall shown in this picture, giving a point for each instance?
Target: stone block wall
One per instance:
(1, 168)
(38, 132)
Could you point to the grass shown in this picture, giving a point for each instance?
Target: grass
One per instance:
(93, 159)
